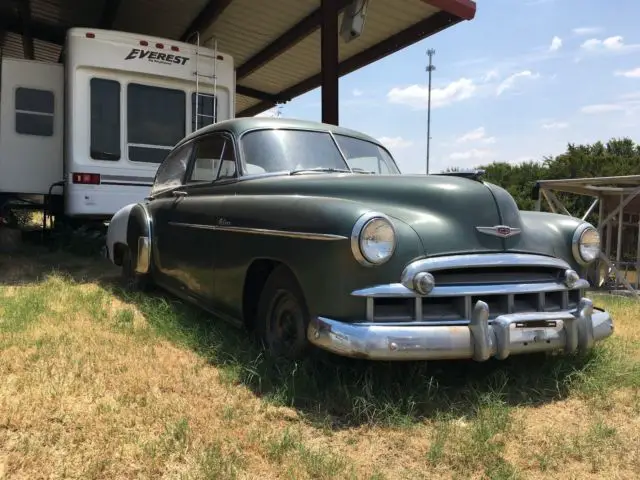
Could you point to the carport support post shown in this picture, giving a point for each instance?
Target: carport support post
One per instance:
(329, 61)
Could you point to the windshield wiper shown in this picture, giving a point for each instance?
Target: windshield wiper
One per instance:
(319, 169)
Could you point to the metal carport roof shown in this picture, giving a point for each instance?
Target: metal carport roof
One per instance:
(275, 45)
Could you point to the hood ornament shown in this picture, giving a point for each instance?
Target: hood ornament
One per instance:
(502, 231)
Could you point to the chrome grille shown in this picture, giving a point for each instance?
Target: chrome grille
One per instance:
(508, 283)
(458, 309)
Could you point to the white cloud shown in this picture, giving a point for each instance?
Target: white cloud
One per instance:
(476, 135)
(602, 108)
(416, 96)
(490, 75)
(555, 125)
(357, 92)
(628, 104)
(586, 30)
(634, 73)
(473, 154)
(556, 43)
(395, 142)
(510, 81)
(613, 44)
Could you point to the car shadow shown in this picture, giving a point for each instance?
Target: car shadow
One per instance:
(327, 390)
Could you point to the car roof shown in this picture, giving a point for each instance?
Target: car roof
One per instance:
(237, 126)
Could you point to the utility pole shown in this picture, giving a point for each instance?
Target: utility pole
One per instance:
(431, 52)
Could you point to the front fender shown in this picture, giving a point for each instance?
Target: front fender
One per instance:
(117, 230)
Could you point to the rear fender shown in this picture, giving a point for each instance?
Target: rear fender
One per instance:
(130, 227)
(117, 231)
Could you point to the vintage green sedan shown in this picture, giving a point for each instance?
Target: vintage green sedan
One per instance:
(307, 235)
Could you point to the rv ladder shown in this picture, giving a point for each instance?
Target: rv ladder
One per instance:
(213, 77)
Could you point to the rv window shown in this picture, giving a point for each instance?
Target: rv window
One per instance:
(34, 112)
(205, 110)
(171, 171)
(155, 121)
(105, 119)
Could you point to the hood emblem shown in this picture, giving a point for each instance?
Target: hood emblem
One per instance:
(502, 231)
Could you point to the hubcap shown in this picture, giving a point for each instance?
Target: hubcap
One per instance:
(285, 322)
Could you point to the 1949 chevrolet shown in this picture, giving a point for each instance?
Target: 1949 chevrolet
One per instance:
(307, 234)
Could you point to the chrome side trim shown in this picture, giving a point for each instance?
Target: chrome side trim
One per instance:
(507, 335)
(262, 231)
(479, 260)
(399, 290)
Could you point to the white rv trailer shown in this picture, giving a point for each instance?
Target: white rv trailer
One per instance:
(92, 131)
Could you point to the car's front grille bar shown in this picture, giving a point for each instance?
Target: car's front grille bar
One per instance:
(509, 284)
(456, 310)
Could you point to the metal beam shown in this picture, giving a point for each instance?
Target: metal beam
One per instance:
(284, 42)
(24, 9)
(109, 14)
(465, 9)
(106, 21)
(392, 44)
(207, 16)
(42, 31)
(329, 61)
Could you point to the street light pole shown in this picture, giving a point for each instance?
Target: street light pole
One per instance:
(431, 52)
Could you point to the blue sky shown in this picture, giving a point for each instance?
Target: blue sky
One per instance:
(518, 82)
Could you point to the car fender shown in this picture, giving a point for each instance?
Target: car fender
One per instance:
(117, 231)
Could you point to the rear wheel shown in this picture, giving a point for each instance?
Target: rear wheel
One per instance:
(283, 316)
(133, 281)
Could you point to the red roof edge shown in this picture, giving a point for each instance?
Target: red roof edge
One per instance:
(465, 9)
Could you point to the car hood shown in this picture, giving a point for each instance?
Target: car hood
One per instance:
(444, 211)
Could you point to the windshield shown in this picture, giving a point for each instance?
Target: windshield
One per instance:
(366, 156)
(276, 150)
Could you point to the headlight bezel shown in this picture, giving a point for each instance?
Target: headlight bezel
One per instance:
(576, 243)
(356, 238)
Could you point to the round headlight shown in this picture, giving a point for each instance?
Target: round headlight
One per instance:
(586, 244)
(373, 240)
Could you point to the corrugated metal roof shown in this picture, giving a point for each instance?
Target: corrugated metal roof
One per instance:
(43, 51)
(243, 28)
(161, 18)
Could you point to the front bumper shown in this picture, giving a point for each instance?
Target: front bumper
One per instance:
(480, 339)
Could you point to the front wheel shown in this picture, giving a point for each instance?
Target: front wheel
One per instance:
(283, 317)
(133, 281)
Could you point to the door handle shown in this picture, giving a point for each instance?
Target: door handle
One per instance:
(179, 193)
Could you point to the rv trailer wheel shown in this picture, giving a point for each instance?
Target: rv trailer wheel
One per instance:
(132, 281)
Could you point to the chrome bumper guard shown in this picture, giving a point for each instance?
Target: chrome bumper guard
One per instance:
(481, 339)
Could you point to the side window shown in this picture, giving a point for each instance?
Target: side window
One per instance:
(34, 112)
(214, 159)
(155, 121)
(206, 103)
(105, 119)
(171, 171)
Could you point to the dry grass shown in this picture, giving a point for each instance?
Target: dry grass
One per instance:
(96, 384)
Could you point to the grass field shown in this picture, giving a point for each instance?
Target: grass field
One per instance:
(98, 384)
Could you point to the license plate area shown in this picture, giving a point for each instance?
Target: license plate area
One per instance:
(535, 331)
